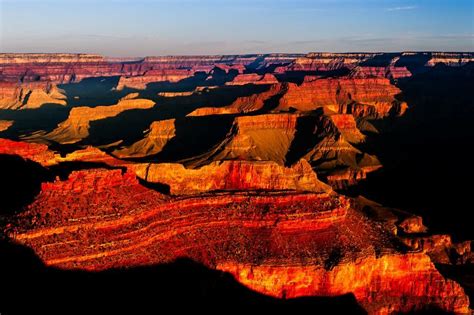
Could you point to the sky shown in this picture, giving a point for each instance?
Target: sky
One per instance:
(125, 28)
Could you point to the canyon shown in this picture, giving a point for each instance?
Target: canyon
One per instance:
(293, 177)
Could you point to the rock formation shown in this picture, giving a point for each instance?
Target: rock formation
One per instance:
(244, 104)
(450, 59)
(76, 127)
(328, 61)
(360, 97)
(252, 166)
(31, 95)
(140, 82)
(232, 176)
(313, 244)
(253, 78)
(255, 138)
(156, 137)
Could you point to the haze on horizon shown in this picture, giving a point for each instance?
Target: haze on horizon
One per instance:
(185, 27)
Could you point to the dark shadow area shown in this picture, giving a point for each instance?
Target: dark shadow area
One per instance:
(22, 182)
(96, 91)
(195, 136)
(159, 187)
(306, 137)
(182, 284)
(27, 121)
(217, 77)
(415, 62)
(269, 104)
(298, 76)
(426, 153)
(130, 125)
(382, 60)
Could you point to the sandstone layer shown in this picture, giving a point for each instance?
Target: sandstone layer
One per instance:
(243, 164)
(232, 176)
(360, 97)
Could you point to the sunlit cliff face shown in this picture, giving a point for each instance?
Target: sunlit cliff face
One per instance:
(243, 164)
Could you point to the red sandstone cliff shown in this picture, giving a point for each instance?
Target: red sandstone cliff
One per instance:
(313, 244)
(360, 97)
(232, 176)
(253, 78)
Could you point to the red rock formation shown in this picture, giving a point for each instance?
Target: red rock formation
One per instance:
(383, 285)
(253, 78)
(32, 151)
(346, 124)
(140, 82)
(390, 72)
(360, 97)
(328, 61)
(283, 245)
(67, 68)
(230, 176)
(277, 229)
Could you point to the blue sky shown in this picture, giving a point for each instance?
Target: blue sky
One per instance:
(162, 27)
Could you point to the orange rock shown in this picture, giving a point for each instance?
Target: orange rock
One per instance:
(231, 176)
(360, 97)
(253, 78)
(384, 285)
(32, 151)
(29, 95)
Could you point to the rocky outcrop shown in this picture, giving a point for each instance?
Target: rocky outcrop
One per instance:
(155, 139)
(284, 245)
(328, 61)
(411, 231)
(237, 192)
(5, 124)
(389, 72)
(76, 127)
(244, 104)
(68, 68)
(140, 82)
(253, 78)
(332, 153)
(255, 138)
(383, 285)
(32, 151)
(450, 59)
(347, 126)
(360, 97)
(31, 95)
(232, 176)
